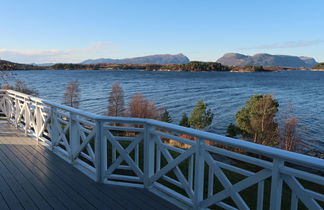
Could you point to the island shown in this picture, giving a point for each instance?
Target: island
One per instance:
(193, 66)
(318, 67)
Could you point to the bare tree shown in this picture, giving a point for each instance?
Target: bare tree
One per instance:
(290, 138)
(72, 94)
(116, 101)
(143, 108)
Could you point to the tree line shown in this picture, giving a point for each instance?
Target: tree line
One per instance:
(319, 66)
(191, 66)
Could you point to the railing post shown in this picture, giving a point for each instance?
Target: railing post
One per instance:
(3, 103)
(199, 174)
(6, 106)
(17, 111)
(74, 135)
(39, 121)
(276, 185)
(100, 152)
(149, 155)
(11, 109)
(54, 129)
(27, 117)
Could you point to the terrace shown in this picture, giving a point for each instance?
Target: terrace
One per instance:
(54, 156)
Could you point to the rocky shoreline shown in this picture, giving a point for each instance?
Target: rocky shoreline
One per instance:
(317, 69)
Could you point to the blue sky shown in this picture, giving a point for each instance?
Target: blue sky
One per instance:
(41, 31)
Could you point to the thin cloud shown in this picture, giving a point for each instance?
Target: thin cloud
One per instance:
(286, 45)
(56, 55)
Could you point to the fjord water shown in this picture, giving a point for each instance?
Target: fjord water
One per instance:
(224, 92)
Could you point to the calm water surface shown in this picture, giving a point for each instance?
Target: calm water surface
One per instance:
(225, 92)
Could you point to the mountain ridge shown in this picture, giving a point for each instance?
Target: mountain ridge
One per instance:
(264, 59)
(150, 59)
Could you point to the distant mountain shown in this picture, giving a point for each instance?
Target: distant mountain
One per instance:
(7, 65)
(151, 59)
(42, 64)
(308, 60)
(262, 59)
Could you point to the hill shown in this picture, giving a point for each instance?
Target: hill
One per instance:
(7, 65)
(151, 59)
(319, 66)
(191, 66)
(262, 59)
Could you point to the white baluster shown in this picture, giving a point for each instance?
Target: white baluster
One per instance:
(54, 129)
(294, 201)
(260, 195)
(17, 111)
(74, 135)
(7, 104)
(199, 174)
(149, 155)
(158, 159)
(100, 152)
(191, 171)
(276, 185)
(210, 182)
(27, 116)
(39, 121)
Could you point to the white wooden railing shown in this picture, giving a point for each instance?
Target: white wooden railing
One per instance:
(209, 171)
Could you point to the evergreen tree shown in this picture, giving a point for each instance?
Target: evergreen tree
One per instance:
(256, 121)
(201, 117)
(166, 117)
(232, 130)
(184, 121)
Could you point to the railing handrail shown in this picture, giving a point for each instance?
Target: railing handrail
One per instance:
(227, 141)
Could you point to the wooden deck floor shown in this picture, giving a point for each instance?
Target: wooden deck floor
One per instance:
(32, 177)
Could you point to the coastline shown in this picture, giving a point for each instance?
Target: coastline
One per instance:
(193, 66)
(163, 70)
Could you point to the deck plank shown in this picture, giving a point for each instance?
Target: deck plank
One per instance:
(19, 189)
(48, 179)
(3, 203)
(23, 173)
(33, 177)
(9, 196)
